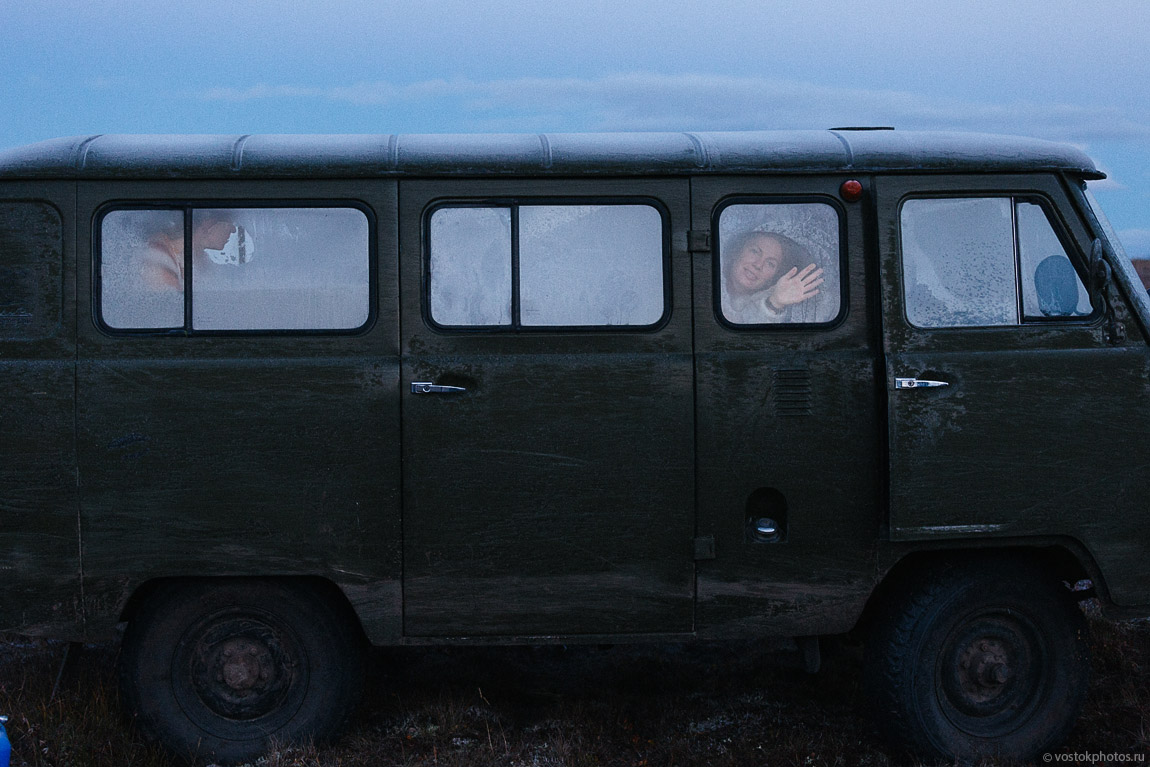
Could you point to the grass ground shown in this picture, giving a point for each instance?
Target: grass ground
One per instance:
(641, 706)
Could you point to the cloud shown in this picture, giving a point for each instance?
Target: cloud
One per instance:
(645, 101)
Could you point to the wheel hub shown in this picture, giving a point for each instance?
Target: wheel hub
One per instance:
(991, 673)
(243, 665)
(983, 669)
(240, 670)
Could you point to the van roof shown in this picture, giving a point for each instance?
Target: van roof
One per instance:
(551, 154)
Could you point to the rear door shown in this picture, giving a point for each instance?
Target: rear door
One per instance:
(548, 477)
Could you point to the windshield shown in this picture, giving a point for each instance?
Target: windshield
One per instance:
(1105, 225)
(1123, 268)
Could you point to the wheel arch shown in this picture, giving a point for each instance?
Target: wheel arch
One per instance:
(158, 588)
(1065, 560)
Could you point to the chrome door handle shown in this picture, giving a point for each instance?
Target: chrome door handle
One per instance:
(914, 383)
(426, 387)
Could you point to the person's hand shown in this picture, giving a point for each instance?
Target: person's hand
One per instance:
(794, 287)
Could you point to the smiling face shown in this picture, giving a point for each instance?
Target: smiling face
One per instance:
(757, 264)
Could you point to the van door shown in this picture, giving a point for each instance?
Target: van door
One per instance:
(787, 424)
(1010, 412)
(548, 464)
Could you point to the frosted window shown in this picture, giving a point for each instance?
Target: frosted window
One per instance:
(142, 269)
(575, 266)
(280, 269)
(779, 263)
(958, 262)
(590, 265)
(1050, 285)
(470, 277)
(251, 269)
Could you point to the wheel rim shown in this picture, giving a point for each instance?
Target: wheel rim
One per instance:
(239, 673)
(992, 673)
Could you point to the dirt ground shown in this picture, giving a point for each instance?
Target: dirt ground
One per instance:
(700, 704)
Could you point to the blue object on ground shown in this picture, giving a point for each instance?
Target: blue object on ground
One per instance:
(5, 746)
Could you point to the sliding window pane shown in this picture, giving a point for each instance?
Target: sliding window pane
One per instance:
(142, 269)
(470, 272)
(591, 265)
(958, 262)
(280, 269)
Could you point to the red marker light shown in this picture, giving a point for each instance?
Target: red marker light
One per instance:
(851, 191)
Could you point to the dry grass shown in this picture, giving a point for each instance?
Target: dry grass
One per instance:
(701, 704)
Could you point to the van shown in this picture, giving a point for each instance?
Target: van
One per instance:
(271, 400)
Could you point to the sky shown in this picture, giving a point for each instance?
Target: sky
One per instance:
(1077, 71)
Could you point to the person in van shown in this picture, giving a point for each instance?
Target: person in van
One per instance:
(161, 263)
(145, 256)
(762, 281)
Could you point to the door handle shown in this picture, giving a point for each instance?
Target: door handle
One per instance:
(914, 383)
(426, 387)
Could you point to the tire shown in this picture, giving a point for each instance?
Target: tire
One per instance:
(982, 658)
(216, 669)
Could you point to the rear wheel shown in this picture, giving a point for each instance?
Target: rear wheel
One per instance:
(979, 659)
(213, 670)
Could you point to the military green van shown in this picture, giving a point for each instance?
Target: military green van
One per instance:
(270, 400)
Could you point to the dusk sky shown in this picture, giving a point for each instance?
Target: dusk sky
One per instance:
(1069, 71)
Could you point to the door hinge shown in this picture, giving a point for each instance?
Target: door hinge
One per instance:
(705, 547)
(698, 241)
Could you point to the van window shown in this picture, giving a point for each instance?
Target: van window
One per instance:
(590, 264)
(141, 285)
(985, 261)
(537, 266)
(249, 269)
(779, 263)
(1050, 285)
(471, 266)
(31, 267)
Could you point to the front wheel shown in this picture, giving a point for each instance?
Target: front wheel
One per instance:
(216, 669)
(983, 658)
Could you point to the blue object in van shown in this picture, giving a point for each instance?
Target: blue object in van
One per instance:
(5, 746)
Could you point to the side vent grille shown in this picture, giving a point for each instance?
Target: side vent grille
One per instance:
(792, 392)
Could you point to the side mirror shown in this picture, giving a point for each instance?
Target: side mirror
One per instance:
(1099, 270)
(1100, 276)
